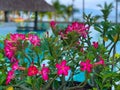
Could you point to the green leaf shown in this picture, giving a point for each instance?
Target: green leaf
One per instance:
(1, 55)
(97, 28)
(108, 74)
(90, 56)
(29, 80)
(49, 57)
(2, 78)
(56, 84)
(107, 85)
(98, 82)
(118, 87)
(94, 88)
(39, 83)
(110, 37)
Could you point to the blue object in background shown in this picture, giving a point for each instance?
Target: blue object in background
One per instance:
(80, 77)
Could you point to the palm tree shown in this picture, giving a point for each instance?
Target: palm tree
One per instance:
(69, 12)
(106, 10)
(63, 11)
(59, 9)
(49, 15)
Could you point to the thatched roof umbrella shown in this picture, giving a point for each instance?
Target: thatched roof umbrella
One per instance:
(26, 5)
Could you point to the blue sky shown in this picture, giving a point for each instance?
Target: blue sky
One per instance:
(91, 6)
(78, 3)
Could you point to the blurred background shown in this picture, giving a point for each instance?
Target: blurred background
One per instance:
(66, 11)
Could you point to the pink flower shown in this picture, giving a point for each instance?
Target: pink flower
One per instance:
(101, 62)
(15, 66)
(22, 36)
(44, 72)
(80, 28)
(13, 59)
(34, 39)
(9, 49)
(14, 37)
(95, 45)
(17, 36)
(62, 35)
(32, 70)
(8, 43)
(69, 29)
(9, 52)
(10, 76)
(86, 66)
(62, 68)
(53, 24)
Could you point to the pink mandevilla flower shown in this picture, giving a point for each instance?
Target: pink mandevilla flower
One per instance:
(32, 70)
(62, 68)
(53, 24)
(44, 72)
(10, 76)
(86, 66)
(95, 45)
(34, 39)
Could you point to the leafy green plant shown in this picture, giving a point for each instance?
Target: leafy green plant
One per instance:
(29, 62)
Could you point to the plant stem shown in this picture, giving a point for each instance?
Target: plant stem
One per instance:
(49, 83)
(77, 87)
(109, 45)
(63, 83)
(22, 87)
(114, 45)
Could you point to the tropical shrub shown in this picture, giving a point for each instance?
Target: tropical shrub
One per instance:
(29, 62)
